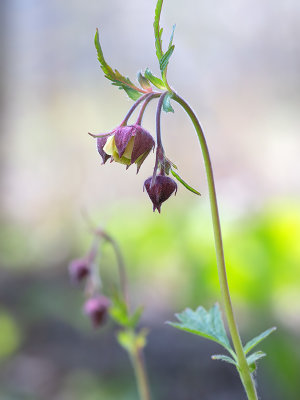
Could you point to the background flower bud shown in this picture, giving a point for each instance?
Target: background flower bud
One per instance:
(161, 190)
(96, 308)
(79, 269)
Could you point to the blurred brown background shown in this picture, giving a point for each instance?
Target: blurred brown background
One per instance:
(237, 63)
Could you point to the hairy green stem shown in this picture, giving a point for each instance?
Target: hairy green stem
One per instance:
(244, 370)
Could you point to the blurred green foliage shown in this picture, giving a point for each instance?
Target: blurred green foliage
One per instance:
(171, 263)
(10, 335)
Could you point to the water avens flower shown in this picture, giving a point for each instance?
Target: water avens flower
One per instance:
(79, 269)
(126, 145)
(96, 308)
(161, 190)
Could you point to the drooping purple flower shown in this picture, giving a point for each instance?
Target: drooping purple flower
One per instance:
(161, 190)
(79, 269)
(128, 145)
(96, 308)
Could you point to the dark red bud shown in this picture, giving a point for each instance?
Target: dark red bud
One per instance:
(96, 308)
(79, 269)
(161, 190)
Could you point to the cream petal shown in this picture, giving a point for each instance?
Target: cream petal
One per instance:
(110, 146)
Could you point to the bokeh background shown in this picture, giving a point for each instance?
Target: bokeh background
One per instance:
(238, 64)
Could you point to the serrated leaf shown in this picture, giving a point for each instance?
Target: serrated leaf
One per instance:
(114, 75)
(204, 323)
(154, 80)
(172, 36)
(163, 62)
(157, 30)
(223, 358)
(253, 342)
(144, 82)
(188, 187)
(166, 103)
(255, 356)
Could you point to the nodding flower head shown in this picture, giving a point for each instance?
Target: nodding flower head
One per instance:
(161, 190)
(96, 308)
(79, 269)
(126, 145)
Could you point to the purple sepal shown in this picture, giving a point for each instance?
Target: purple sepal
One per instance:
(100, 144)
(143, 143)
(122, 136)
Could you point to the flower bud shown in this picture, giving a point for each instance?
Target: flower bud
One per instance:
(129, 145)
(96, 308)
(161, 190)
(79, 269)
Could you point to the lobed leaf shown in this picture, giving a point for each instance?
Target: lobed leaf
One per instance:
(157, 30)
(144, 82)
(188, 187)
(255, 356)
(114, 75)
(164, 61)
(251, 360)
(208, 324)
(224, 358)
(154, 80)
(253, 342)
(166, 103)
(172, 36)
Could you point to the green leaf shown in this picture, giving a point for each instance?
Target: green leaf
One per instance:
(172, 36)
(166, 103)
(251, 360)
(223, 358)
(253, 342)
(143, 82)
(158, 30)
(188, 187)
(204, 323)
(114, 75)
(163, 62)
(154, 80)
(119, 313)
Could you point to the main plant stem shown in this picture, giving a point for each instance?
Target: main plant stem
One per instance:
(234, 332)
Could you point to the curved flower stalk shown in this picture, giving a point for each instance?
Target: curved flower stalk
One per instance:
(120, 146)
(99, 307)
